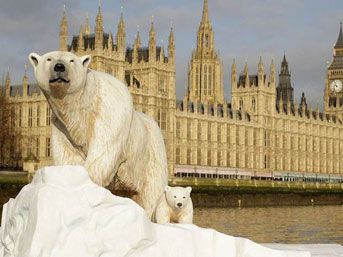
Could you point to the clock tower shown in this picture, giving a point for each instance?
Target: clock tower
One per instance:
(333, 95)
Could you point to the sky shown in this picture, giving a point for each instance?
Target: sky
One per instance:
(305, 30)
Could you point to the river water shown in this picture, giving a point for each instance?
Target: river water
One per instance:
(310, 224)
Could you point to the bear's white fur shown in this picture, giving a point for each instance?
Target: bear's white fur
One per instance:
(95, 125)
(175, 205)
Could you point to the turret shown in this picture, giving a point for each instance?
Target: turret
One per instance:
(80, 44)
(7, 84)
(136, 47)
(272, 77)
(246, 75)
(171, 47)
(64, 32)
(303, 103)
(110, 42)
(260, 72)
(121, 35)
(87, 30)
(152, 43)
(161, 58)
(138, 42)
(234, 75)
(25, 83)
(99, 30)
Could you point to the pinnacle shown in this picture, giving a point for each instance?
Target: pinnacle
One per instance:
(205, 18)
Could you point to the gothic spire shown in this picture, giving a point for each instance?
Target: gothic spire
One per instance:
(260, 65)
(8, 75)
(284, 89)
(152, 28)
(64, 31)
(152, 42)
(80, 44)
(205, 18)
(99, 29)
(138, 40)
(121, 21)
(303, 99)
(234, 67)
(339, 43)
(284, 66)
(8, 83)
(25, 82)
(87, 26)
(171, 45)
(272, 72)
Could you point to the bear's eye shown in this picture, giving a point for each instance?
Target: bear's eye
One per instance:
(71, 60)
(49, 60)
(184, 197)
(174, 196)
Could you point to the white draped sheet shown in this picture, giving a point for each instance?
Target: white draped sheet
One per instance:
(62, 213)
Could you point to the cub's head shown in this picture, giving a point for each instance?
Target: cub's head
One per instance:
(60, 73)
(178, 197)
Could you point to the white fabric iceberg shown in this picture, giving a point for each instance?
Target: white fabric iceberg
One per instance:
(62, 213)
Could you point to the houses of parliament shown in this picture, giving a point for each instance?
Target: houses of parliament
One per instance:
(264, 132)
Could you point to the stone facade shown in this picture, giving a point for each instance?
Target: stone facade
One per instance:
(264, 131)
(29, 121)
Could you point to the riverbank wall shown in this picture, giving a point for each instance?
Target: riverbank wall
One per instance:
(226, 193)
(256, 193)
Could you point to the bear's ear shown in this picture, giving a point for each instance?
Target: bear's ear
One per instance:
(86, 60)
(34, 59)
(167, 188)
(189, 189)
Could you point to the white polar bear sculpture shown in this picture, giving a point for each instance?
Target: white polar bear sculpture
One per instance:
(95, 125)
(175, 206)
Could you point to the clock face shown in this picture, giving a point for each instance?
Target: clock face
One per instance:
(336, 86)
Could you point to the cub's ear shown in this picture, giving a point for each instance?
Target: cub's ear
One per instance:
(34, 59)
(86, 60)
(167, 188)
(189, 189)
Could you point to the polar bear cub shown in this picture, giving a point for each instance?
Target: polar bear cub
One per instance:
(175, 206)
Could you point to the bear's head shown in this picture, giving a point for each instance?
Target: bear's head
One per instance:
(60, 73)
(178, 197)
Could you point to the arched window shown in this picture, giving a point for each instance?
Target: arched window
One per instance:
(240, 104)
(162, 119)
(253, 104)
(30, 116)
(205, 80)
(197, 84)
(206, 40)
(38, 116)
(210, 80)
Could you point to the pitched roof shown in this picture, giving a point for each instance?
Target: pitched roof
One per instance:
(339, 43)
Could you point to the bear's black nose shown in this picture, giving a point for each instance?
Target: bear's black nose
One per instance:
(179, 204)
(59, 67)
